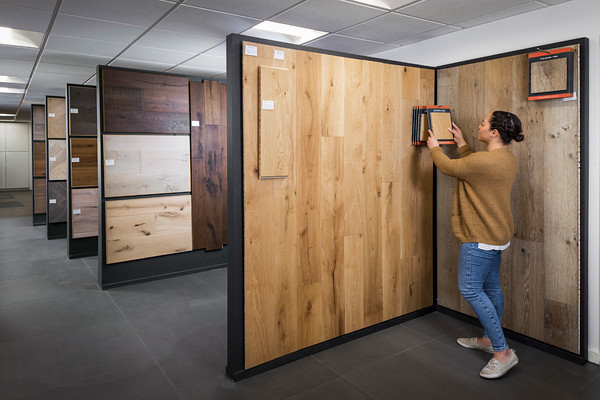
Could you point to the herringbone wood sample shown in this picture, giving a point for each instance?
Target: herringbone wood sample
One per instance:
(39, 121)
(82, 110)
(149, 227)
(39, 195)
(57, 201)
(141, 102)
(57, 124)
(39, 159)
(84, 162)
(57, 160)
(84, 213)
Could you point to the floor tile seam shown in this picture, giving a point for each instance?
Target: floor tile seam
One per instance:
(471, 352)
(204, 283)
(583, 388)
(40, 299)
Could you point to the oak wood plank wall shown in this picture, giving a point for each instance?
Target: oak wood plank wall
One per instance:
(84, 162)
(57, 123)
(82, 110)
(57, 201)
(344, 241)
(39, 196)
(84, 211)
(57, 160)
(39, 121)
(540, 271)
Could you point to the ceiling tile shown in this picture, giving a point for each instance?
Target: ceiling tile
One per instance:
(12, 67)
(135, 12)
(54, 84)
(71, 59)
(207, 62)
(327, 15)
(18, 53)
(205, 23)
(377, 49)
(262, 9)
(218, 51)
(509, 12)
(65, 69)
(389, 28)
(68, 44)
(553, 2)
(36, 4)
(196, 71)
(137, 64)
(24, 18)
(87, 28)
(426, 35)
(343, 43)
(178, 41)
(161, 56)
(454, 11)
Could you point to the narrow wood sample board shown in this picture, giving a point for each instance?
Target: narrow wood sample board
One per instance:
(57, 123)
(84, 162)
(57, 160)
(39, 121)
(82, 110)
(39, 160)
(39, 196)
(84, 210)
(57, 201)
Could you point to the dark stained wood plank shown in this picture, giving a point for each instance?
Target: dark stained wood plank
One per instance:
(57, 201)
(82, 110)
(216, 165)
(84, 211)
(39, 159)
(224, 161)
(39, 121)
(39, 193)
(198, 165)
(84, 162)
(212, 102)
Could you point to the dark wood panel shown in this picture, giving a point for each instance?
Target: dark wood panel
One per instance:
(39, 121)
(144, 102)
(57, 123)
(84, 162)
(57, 201)
(224, 161)
(84, 211)
(216, 196)
(82, 110)
(198, 164)
(39, 193)
(39, 159)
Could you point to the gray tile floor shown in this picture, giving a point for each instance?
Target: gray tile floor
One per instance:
(63, 338)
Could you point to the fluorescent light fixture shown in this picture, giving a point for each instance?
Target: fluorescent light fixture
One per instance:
(7, 115)
(387, 4)
(21, 38)
(11, 90)
(283, 32)
(10, 79)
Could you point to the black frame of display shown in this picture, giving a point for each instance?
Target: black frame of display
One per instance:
(152, 268)
(55, 230)
(40, 218)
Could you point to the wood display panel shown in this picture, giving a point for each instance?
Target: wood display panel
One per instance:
(82, 110)
(208, 110)
(39, 159)
(549, 76)
(57, 123)
(148, 227)
(144, 102)
(84, 211)
(84, 162)
(57, 160)
(541, 270)
(57, 202)
(39, 121)
(39, 196)
(344, 241)
(146, 164)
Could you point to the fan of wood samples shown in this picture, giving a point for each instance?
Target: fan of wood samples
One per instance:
(434, 118)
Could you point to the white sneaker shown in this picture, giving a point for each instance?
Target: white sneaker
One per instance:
(495, 369)
(471, 343)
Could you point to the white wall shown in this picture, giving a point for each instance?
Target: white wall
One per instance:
(574, 19)
(15, 155)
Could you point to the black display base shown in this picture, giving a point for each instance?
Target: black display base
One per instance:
(83, 247)
(39, 219)
(57, 230)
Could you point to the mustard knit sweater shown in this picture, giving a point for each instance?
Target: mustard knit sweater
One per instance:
(481, 204)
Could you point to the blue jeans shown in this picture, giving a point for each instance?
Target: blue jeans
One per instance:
(479, 284)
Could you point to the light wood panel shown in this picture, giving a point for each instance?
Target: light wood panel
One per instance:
(84, 162)
(344, 240)
(549, 75)
(39, 159)
(57, 123)
(57, 201)
(148, 227)
(144, 164)
(39, 195)
(39, 121)
(82, 110)
(57, 160)
(540, 271)
(84, 211)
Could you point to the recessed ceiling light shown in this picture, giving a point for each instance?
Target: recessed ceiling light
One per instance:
(11, 90)
(7, 115)
(387, 4)
(18, 37)
(10, 79)
(283, 32)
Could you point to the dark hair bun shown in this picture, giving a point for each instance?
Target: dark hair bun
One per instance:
(519, 137)
(509, 126)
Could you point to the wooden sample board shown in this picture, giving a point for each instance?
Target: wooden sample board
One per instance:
(146, 164)
(549, 76)
(208, 109)
(39, 195)
(39, 121)
(84, 162)
(39, 159)
(57, 201)
(82, 110)
(57, 160)
(84, 211)
(541, 270)
(342, 242)
(147, 227)
(144, 102)
(57, 123)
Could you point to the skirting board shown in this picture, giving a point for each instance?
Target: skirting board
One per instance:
(594, 357)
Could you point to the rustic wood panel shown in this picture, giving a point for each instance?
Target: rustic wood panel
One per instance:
(39, 159)
(84, 211)
(149, 227)
(143, 102)
(57, 123)
(39, 196)
(84, 162)
(39, 121)
(57, 160)
(549, 75)
(142, 164)
(57, 201)
(82, 110)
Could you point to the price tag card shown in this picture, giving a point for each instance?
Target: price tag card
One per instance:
(75, 159)
(278, 54)
(76, 211)
(51, 115)
(268, 105)
(251, 50)
(52, 159)
(52, 201)
(195, 123)
(74, 111)
(110, 162)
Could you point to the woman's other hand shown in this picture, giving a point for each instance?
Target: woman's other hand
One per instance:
(458, 136)
(432, 140)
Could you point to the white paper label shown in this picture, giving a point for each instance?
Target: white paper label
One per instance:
(278, 54)
(195, 123)
(76, 211)
(52, 201)
(268, 105)
(52, 159)
(110, 162)
(571, 98)
(75, 159)
(251, 50)
(51, 115)
(74, 111)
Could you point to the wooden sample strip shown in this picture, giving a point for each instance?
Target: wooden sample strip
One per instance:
(57, 123)
(39, 159)
(141, 102)
(84, 211)
(57, 160)
(84, 162)
(57, 201)
(274, 123)
(149, 227)
(549, 76)
(440, 122)
(39, 121)
(39, 196)
(82, 110)
(144, 164)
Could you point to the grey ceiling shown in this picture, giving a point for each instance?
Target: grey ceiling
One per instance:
(188, 36)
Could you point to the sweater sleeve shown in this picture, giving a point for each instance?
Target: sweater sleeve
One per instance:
(448, 166)
(464, 150)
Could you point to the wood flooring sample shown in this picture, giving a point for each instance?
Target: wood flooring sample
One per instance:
(39, 121)
(148, 227)
(549, 75)
(142, 102)
(84, 162)
(146, 164)
(57, 201)
(84, 211)
(57, 124)
(39, 159)
(39, 196)
(57, 160)
(82, 110)
(439, 124)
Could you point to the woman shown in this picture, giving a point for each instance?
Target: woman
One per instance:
(483, 224)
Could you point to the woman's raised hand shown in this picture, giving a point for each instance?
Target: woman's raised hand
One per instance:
(458, 136)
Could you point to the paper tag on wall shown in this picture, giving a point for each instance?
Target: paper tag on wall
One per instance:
(52, 159)
(51, 115)
(110, 162)
(278, 54)
(251, 50)
(195, 123)
(52, 201)
(74, 111)
(75, 159)
(268, 105)
(574, 97)
(76, 211)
